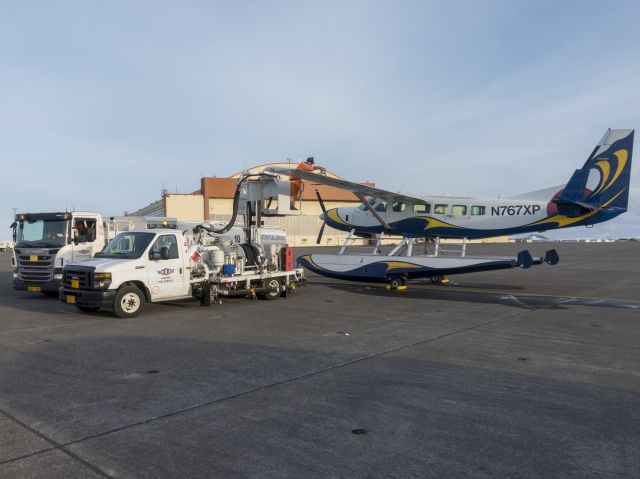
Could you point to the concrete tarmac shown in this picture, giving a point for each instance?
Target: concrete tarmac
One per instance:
(508, 373)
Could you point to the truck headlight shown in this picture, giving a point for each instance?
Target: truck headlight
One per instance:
(57, 277)
(101, 280)
(16, 276)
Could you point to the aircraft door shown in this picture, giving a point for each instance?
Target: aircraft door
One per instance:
(165, 269)
(398, 211)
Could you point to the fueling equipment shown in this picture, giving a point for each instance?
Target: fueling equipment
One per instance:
(211, 261)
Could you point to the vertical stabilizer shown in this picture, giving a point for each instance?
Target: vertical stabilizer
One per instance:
(603, 182)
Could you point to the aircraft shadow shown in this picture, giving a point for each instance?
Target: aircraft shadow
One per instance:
(519, 301)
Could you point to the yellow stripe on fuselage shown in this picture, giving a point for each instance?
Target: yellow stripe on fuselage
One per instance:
(563, 220)
(400, 265)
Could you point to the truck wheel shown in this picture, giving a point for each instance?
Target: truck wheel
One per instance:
(272, 289)
(206, 298)
(88, 309)
(129, 302)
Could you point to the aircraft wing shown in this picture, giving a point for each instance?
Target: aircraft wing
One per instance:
(356, 188)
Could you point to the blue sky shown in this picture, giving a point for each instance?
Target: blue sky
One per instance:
(104, 103)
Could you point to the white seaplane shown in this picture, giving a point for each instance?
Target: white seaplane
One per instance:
(597, 192)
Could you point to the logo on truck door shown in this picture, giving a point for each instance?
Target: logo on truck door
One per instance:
(165, 271)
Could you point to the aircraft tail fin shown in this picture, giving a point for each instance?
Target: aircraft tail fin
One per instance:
(603, 181)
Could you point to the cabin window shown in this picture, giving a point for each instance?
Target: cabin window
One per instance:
(441, 209)
(459, 210)
(478, 210)
(399, 207)
(382, 206)
(422, 208)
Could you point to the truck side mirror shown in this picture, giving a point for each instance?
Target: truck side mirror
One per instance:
(164, 252)
(74, 236)
(13, 226)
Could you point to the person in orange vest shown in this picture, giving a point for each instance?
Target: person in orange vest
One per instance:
(296, 183)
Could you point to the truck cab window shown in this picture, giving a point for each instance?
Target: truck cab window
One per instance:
(165, 241)
(42, 233)
(85, 229)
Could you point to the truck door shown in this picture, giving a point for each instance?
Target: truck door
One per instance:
(84, 235)
(165, 269)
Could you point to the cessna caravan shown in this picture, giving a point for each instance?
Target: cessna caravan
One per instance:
(597, 192)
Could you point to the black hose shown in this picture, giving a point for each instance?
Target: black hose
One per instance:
(236, 205)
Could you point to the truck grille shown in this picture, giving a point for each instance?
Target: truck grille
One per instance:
(36, 267)
(83, 275)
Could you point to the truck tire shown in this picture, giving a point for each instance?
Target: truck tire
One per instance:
(88, 309)
(206, 298)
(272, 289)
(129, 302)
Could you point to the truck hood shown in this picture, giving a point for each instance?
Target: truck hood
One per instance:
(111, 264)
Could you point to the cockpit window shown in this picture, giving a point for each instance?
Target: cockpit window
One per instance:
(363, 207)
(399, 207)
(382, 206)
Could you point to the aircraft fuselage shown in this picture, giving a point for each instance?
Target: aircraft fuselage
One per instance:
(458, 217)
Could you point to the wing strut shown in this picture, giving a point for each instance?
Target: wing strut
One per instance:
(374, 212)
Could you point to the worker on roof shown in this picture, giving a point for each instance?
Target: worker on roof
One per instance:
(296, 183)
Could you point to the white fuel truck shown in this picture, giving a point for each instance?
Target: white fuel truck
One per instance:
(137, 267)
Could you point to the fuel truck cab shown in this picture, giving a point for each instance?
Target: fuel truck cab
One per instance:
(46, 242)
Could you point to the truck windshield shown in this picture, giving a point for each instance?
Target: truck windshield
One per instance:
(129, 245)
(42, 233)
